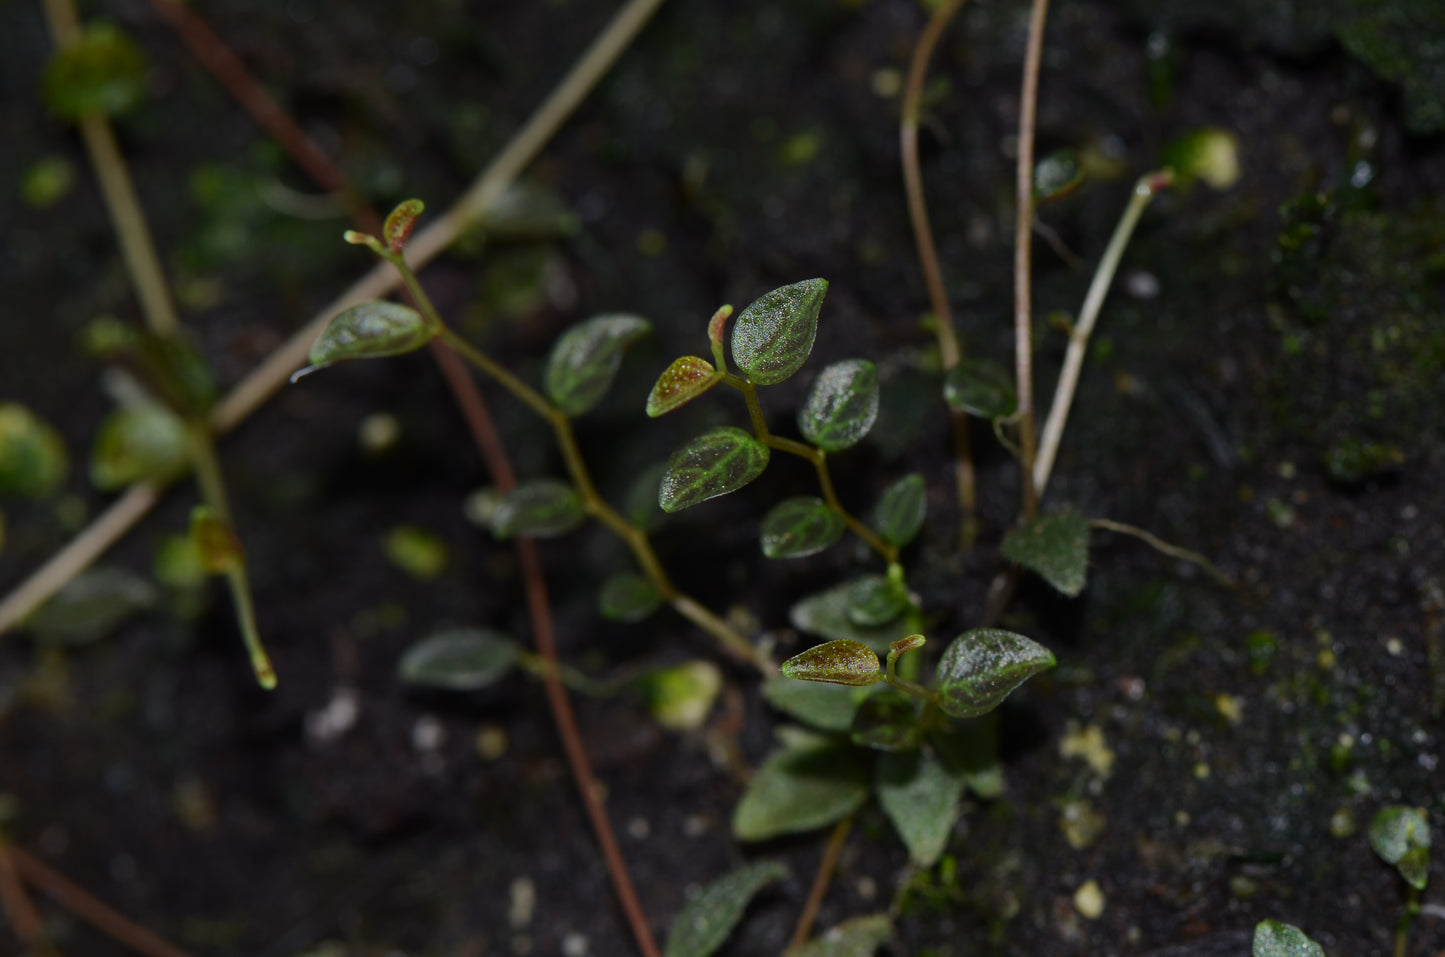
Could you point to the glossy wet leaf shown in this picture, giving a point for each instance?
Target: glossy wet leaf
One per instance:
(981, 388)
(825, 614)
(827, 707)
(981, 667)
(682, 696)
(901, 509)
(1401, 836)
(400, 222)
(887, 720)
(541, 508)
(923, 798)
(798, 527)
(801, 787)
(859, 937)
(216, 543)
(461, 659)
(873, 600)
(136, 443)
(1057, 175)
(1056, 546)
(842, 405)
(841, 662)
(372, 330)
(103, 73)
(91, 606)
(628, 597)
(416, 551)
(773, 336)
(715, 463)
(710, 917)
(33, 460)
(687, 378)
(1275, 938)
(585, 360)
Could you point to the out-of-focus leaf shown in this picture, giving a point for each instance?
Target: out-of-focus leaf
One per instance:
(137, 443)
(628, 597)
(873, 600)
(416, 551)
(1401, 836)
(841, 405)
(1057, 175)
(798, 527)
(371, 330)
(585, 360)
(463, 659)
(103, 73)
(93, 605)
(827, 707)
(542, 508)
(1056, 546)
(981, 388)
(826, 615)
(710, 917)
(922, 798)
(887, 721)
(901, 510)
(1275, 938)
(858, 937)
(801, 787)
(33, 461)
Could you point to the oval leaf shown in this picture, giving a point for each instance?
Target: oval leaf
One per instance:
(800, 788)
(773, 336)
(1275, 938)
(464, 659)
(826, 615)
(91, 606)
(1057, 175)
(841, 662)
(798, 527)
(858, 937)
(33, 461)
(136, 443)
(715, 463)
(400, 222)
(1401, 836)
(372, 330)
(901, 510)
(887, 721)
(628, 597)
(707, 920)
(827, 707)
(923, 799)
(1056, 546)
(586, 358)
(103, 73)
(681, 697)
(541, 508)
(841, 406)
(982, 666)
(981, 388)
(687, 378)
(873, 600)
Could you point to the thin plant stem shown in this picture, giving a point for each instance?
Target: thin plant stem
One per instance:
(965, 479)
(1159, 545)
(91, 909)
(827, 867)
(1023, 278)
(1053, 431)
(262, 382)
(19, 910)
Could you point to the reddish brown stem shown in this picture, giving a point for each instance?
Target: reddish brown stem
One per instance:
(19, 910)
(90, 909)
(826, 868)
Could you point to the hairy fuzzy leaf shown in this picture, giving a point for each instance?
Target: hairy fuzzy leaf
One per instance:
(773, 336)
(1401, 836)
(981, 667)
(858, 937)
(400, 222)
(585, 360)
(136, 443)
(887, 721)
(839, 662)
(981, 388)
(715, 463)
(841, 405)
(687, 378)
(798, 527)
(922, 798)
(707, 920)
(33, 460)
(463, 659)
(873, 600)
(1275, 938)
(103, 73)
(801, 787)
(901, 510)
(1056, 546)
(628, 597)
(372, 330)
(541, 508)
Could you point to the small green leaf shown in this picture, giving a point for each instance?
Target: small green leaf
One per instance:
(1401, 836)
(715, 463)
(47, 181)
(178, 564)
(628, 597)
(371, 330)
(416, 551)
(33, 461)
(91, 606)
(687, 378)
(839, 662)
(1275, 938)
(873, 600)
(541, 508)
(799, 527)
(1056, 546)
(216, 543)
(103, 73)
(710, 917)
(773, 336)
(981, 388)
(1209, 154)
(1351, 460)
(982, 666)
(922, 798)
(586, 358)
(1057, 175)
(887, 721)
(400, 222)
(681, 697)
(858, 937)
(463, 659)
(826, 615)
(136, 443)
(901, 510)
(841, 405)
(801, 787)
(827, 707)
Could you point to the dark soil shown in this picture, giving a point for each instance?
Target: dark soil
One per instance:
(735, 148)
